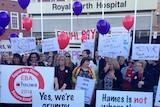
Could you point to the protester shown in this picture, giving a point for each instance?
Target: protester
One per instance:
(87, 53)
(17, 59)
(24, 59)
(84, 71)
(69, 62)
(111, 76)
(50, 61)
(63, 75)
(102, 63)
(142, 79)
(6, 59)
(34, 60)
(121, 61)
(43, 58)
(56, 59)
(154, 68)
(128, 73)
(96, 58)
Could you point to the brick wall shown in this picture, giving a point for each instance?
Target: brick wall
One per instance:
(12, 6)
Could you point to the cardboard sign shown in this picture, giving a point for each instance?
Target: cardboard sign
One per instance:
(5, 46)
(50, 98)
(89, 44)
(110, 45)
(145, 52)
(106, 98)
(87, 85)
(23, 45)
(17, 82)
(50, 45)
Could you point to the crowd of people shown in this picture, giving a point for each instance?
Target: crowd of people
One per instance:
(109, 73)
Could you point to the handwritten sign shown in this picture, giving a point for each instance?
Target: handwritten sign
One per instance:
(23, 45)
(5, 46)
(108, 44)
(75, 46)
(87, 85)
(50, 98)
(19, 81)
(157, 93)
(145, 52)
(89, 44)
(106, 98)
(125, 34)
(50, 45)
(75, 37)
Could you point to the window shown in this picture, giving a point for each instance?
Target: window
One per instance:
(6, 12)
(14, 20)
(23, 15)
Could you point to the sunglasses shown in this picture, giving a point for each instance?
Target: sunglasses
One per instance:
(68, 56)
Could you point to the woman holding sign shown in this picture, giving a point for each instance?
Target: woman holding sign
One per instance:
(142, 80)
(63, 75)
(86, 72)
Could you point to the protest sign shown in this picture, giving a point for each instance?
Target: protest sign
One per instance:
(157, 94)
(87, 85)
(65, 98)
(145, 52)
(17, 82)
(75, 46)
(106, 98)
(110, 46)
(23, 45)
(125, 34)
(5, 46)
(89, 44)
(50, 44)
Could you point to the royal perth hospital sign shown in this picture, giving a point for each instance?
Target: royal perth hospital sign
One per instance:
(92, 6)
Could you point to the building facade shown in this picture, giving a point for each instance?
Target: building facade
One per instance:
(59, 15)
(16, 14)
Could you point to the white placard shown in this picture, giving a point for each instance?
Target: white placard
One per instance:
(50, 98)
(50, 44)
(126, 43)
(125, 34)
(111, 45)
(157, 100)
(89, 44)
(145, 52)
(17, 82)
(5, 46)
(23, 45)
(87, 85)
(106, 98)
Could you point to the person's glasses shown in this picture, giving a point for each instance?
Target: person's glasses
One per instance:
(68, 56)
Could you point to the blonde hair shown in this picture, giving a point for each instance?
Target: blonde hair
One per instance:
(68, 61)
(144, 63)
(60, 56)
(115, 64)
